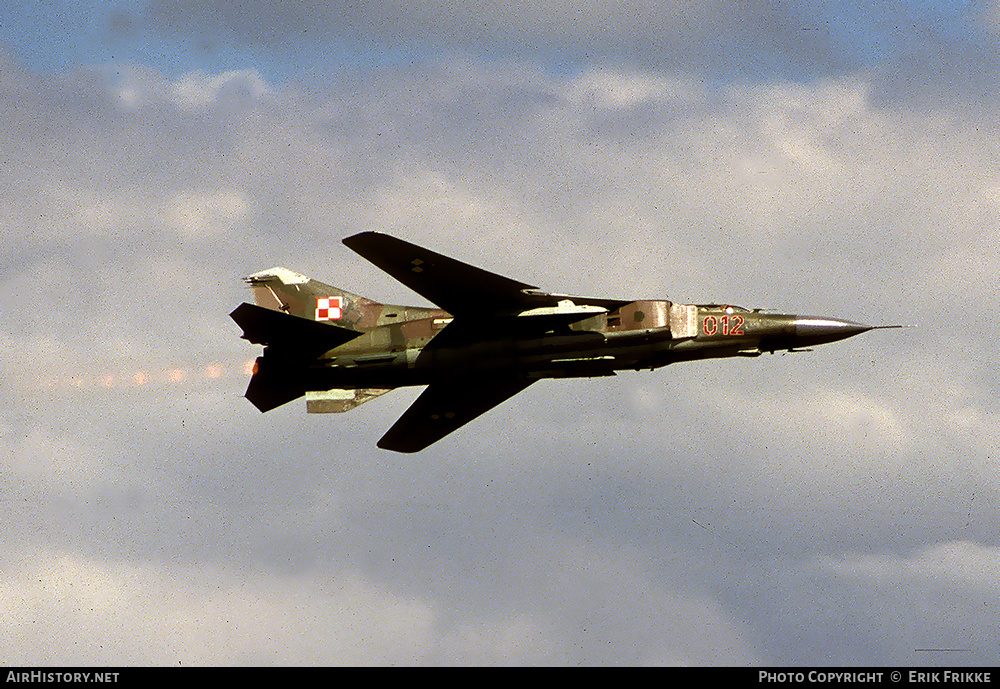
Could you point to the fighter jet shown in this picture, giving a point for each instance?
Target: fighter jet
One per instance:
(490, 338)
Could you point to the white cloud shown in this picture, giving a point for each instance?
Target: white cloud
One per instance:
(127, 239)
(615, 90)
(62, 609)
(196, 214)
(961, 563)
(196, 89)
(989, 14)
(67, 463)
(428, 200)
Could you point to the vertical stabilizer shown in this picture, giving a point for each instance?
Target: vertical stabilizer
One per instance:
(280, 289)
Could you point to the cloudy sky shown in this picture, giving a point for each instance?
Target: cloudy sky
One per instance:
(836, 507)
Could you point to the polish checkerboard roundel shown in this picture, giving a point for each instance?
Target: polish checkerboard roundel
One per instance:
(329, 308)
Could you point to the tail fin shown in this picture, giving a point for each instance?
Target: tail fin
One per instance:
(280, 289)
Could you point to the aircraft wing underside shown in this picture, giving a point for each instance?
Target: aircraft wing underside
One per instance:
(444, 407)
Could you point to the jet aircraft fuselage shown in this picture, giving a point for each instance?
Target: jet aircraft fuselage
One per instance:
(491, 338)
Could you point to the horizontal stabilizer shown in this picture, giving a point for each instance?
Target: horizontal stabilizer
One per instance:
(274, 383)
(290, 334)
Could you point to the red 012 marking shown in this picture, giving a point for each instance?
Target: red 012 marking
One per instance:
(710, 326)
(731, 325)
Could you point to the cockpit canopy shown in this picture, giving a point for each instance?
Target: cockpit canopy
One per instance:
(724, 307)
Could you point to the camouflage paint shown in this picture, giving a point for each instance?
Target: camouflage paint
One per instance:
(503, 335)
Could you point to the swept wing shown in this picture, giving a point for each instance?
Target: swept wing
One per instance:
(458, 288)
(484, 306)
(444, 407)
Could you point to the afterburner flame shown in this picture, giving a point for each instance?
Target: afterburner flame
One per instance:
(120, 378)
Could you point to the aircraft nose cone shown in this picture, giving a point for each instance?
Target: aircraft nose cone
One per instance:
(814, 330)
(834, 328)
